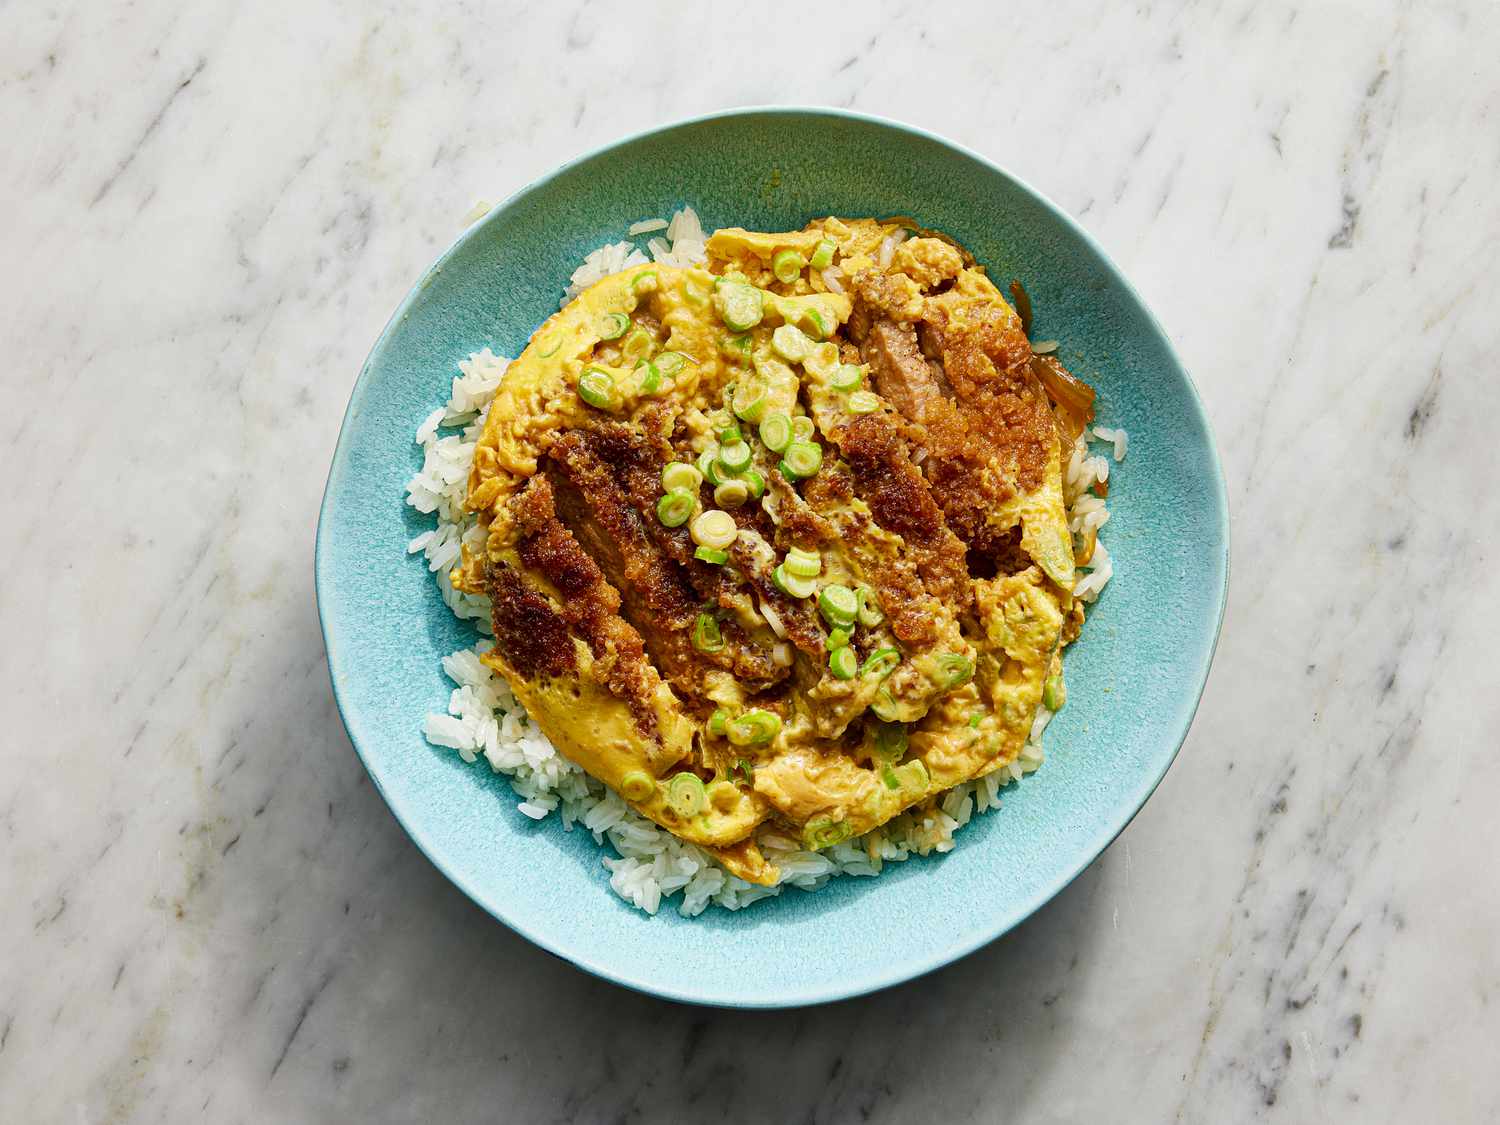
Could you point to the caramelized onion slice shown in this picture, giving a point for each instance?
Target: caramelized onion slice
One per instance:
(1073, 399)
(1022, 300)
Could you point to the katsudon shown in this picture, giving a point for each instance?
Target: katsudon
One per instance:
(784, 542)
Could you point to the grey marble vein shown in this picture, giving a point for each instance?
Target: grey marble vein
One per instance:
(207, 213)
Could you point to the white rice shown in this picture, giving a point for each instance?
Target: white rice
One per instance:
(1087, 513)
(610, 258)
(439, 488)
(485, 720)
(684, 245)
(1118, 438)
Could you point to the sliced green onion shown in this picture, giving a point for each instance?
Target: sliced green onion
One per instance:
(637, 785)
(708, 465)
(675, 507)
(791, 585)
(711, 555)
(651, 381)
(776, 432)
(1054, 693)
(846, 377)
(597, 388)
(791, 343)
(824, 833)
(732, 494)
(706, 635)
(613, 325)
(975, 719)
(734, 458)
(863, 402)
(754, 727)
(638, 344)
(839, 638)
(755, 483)
(822, 255)
(552, 351)
(870, 613)
(804, 564)
(714, 528)
(671, 363)
(891, 741)
(882, 662)
(731, 277)
(740, 305)
(957, 669)
(680, 475)
(838, 605)
(719, 418)
(818, 329)
(884, 705)
(888, 775)
(718, 722)
(747, 770)
(787, 266)
(687, 794)
(643, 282)
(802, 459)
(731, 434)
(803, 428)
(843, 663)
(750, 398)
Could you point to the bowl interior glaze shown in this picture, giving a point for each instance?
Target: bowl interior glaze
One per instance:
(1134, 678)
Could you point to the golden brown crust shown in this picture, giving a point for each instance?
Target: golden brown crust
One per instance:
(987, 429)
(891, 295)
(657, 598)
(801, 525)
(987, 361)
(637, 454)
(833, 486)
(529, 633)
(589, 605)
(901, 502)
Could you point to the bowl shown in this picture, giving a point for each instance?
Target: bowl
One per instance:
(1134, 677)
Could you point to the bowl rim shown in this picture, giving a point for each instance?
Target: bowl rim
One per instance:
(900, 971)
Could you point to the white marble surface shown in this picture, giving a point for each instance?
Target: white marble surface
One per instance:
(207, 213)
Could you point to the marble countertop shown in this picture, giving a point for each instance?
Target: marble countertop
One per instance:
(208, 212)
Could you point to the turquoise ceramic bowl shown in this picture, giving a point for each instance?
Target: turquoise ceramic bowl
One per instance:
(1134, 678)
